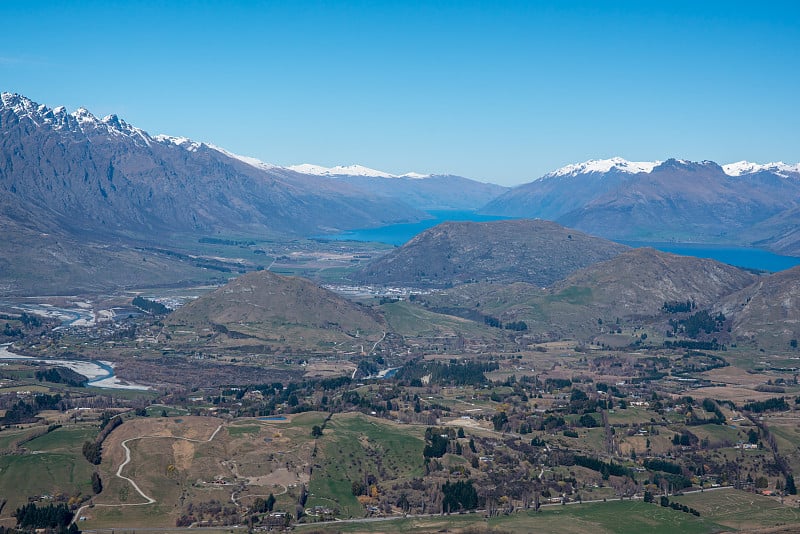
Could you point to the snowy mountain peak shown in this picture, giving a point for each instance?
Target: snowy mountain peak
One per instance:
(603, 166)
(359, 170)
(84, 116)
(350, 170)
(23, 107)
(183, 142)
(17, 102)
(741, 168)
(194, 146)
(253, 162)
(308, 168)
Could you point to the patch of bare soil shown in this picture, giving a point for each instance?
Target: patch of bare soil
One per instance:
(190, 427)
(737, 394)
(734, 376)
(183, 452)
(280, 477)
(328, 369)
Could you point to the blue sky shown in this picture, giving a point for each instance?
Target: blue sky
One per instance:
(496, 91)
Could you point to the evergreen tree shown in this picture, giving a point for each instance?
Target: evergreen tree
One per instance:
(791, 489)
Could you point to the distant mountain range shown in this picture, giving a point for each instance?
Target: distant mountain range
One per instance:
(674, 200)
(79, 173)
(82, 173)
(89, 203)
(423, 191)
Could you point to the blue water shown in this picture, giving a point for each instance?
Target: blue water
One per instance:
(107, 368)
(273, 418)
(749, 258)
(391, 372)
(397, 234)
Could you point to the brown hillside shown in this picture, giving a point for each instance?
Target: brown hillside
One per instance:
(533, 251)
(639, 281)
(265, 306)
(768, 311)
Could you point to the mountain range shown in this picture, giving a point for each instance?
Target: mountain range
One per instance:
(80, 173)
(84, 198)
(87, 172)
(675, 200)
(94, 203)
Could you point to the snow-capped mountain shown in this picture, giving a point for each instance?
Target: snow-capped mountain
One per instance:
(741, 168)
(617, 164)
(350, 170)
(423, 191)
(77, 173)
(602, 166)
(674, 200)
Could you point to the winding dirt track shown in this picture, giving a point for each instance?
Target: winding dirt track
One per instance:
(150, 500)
(119, 474)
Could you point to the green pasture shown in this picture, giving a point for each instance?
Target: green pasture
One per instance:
(354, 445)
(741, 510)
(623, 517)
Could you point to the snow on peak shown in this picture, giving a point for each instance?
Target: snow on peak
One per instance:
(194, 146)
(253, 162)
(741, 168)
(415, 175)
(24, 107)
(307, 168)
(605, 165)
(350, 170)
(17, 102)
(84, 116)
(183, 142)
(358, 170)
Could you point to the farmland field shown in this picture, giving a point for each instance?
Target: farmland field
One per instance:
(623, 517)
(740, 510)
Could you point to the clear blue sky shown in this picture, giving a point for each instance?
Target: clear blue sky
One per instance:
(497, 91)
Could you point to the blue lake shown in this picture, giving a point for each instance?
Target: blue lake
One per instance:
(397, 234)
(750, 258)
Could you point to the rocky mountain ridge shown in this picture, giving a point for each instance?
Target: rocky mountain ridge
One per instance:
(85, 174)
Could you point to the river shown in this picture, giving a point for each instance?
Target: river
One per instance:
(100, 374)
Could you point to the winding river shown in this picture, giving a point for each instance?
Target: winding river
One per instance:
(100, 374)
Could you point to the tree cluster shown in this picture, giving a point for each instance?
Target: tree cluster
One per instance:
(61, 375)
(55, 516)
(676, 306)
(604, 468)
(769, 405)
(460, 495)
(150, 306)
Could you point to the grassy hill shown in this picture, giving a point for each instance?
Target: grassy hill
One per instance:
(533, 251)
(265, 307)
(768, 312)
(633, 286)
(641, 280)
